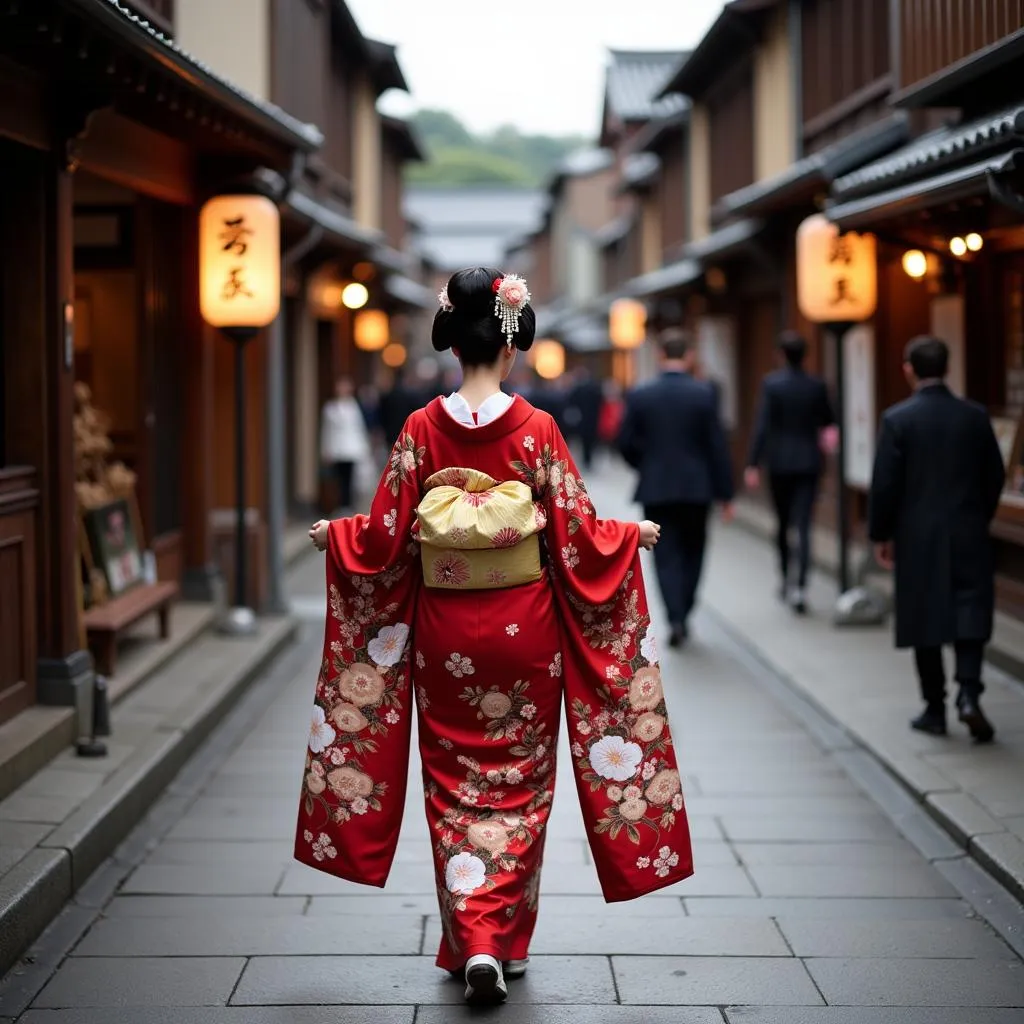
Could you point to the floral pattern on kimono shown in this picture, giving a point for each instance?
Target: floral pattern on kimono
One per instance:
(597, 648)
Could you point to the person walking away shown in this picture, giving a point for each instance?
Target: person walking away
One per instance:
(483, 592)
(794, 412)
(937, 480)
(672, 434)
(586, 398)
(397, 404)
(344, 438)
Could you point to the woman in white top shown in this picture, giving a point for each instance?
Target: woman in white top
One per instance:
(344, 439)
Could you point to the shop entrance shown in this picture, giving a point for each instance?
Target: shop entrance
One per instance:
(128, 373)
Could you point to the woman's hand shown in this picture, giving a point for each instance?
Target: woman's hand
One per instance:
(649, 534)
(318, 534)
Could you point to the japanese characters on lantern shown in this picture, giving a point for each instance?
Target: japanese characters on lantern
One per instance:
(239, 261)
(837, 275)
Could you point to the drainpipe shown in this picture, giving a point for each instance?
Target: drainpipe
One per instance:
(277, 603)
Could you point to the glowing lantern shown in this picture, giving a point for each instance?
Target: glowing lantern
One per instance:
(239, 261)
(837, 275)
(915, 264)
(627, 323)
(354, 295)
(394, 355)
(372, 331)
(548, 358)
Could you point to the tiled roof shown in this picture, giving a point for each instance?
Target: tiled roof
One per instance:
(308, 134)
(937, 151)
(664, 279)
(580, 164)
(639, 169)
(634, 79)
(822, 167)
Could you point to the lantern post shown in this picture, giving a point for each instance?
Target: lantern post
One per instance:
(239, 294)
(837, 287)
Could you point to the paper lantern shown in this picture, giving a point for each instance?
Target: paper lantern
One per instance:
(354, 295)
(627, 323)
(394, 355)
(372, 331)
(548, 358)
(239, 261)
(915, 264)
(837, 275)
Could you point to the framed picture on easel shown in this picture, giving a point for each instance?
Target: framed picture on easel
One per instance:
(114, 545)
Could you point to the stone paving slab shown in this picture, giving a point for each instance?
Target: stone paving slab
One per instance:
(870, 1015)
(205, 906)
(517, 1014)
(831, 908)
(562, 935)
(183, 981)
(849, 880)
(242, 879)
(680, 981)
(963, 939)
(229, 1015)
(897, 852)
(902, 982)
(329, 981)
(286, 936)
(860, 829)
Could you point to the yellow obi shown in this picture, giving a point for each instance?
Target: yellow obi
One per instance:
(478, 534)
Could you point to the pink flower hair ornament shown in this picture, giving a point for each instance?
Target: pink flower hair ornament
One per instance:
(443, 300)
(510, 299)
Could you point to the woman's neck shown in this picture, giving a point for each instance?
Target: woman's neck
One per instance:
(479, 383)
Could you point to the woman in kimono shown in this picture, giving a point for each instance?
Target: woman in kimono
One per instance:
(483, 586)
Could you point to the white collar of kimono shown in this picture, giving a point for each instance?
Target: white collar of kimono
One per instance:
(490, 409)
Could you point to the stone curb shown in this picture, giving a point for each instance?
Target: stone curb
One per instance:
(960, 820)
(36, 890)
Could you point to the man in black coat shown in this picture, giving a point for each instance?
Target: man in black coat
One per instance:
(937, 480)
(671, 432)
(586, 398)
(793, 410)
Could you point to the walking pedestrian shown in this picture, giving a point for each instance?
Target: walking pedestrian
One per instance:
(344, 439)
(483, 583)
(672, 434)
(397, 404)
(586, 398)
(937, 480)
(794, 411)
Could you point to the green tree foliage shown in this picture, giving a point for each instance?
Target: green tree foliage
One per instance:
(504, 156)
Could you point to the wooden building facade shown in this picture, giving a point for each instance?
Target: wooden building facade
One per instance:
(110, 139)
(898, 117)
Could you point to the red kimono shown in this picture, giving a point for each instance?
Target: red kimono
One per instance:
(488, 665)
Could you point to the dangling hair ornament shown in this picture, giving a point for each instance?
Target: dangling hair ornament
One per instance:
(510, 298)
(444, 301)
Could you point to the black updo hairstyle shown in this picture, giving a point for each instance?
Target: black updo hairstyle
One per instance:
(471, 325)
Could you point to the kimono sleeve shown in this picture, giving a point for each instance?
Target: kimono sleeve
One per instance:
(357, 760)
(623, 758)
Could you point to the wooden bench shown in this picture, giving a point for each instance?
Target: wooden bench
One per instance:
(103, 624)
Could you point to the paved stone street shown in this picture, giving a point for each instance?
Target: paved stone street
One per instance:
(808, 906)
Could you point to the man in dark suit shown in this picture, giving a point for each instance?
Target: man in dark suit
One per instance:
(586, 398)
(937, 480)
(671, 432)
(793, 410)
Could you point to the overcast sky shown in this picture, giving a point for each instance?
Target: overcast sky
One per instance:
(537, 64)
